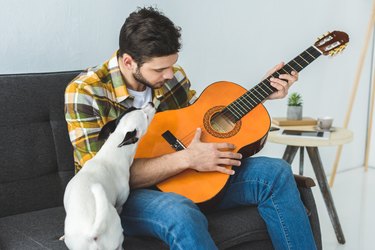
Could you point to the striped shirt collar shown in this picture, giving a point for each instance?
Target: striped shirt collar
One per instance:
(118, 82)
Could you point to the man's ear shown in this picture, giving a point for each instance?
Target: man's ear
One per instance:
(107, 129)
(130, 138)
(128, 61)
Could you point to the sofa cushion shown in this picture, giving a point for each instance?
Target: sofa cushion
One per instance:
(42, 229)
(34, 230)
(36, 155)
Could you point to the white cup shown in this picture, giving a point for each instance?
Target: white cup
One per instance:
(325, 122)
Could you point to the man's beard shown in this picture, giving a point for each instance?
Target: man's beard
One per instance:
(142, 80)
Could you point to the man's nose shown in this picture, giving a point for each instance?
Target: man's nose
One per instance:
(168, 73)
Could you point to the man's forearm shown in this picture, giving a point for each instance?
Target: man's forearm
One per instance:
(150, 171)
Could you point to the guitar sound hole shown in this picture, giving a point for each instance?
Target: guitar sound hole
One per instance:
(222, 123)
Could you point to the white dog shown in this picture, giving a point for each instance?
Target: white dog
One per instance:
(94, 197)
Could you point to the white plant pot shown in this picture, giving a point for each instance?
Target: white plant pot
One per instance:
(294, 113)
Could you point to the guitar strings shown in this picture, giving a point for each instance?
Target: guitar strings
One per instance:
(245, 103)
(235, 111)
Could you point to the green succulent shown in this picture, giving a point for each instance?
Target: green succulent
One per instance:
(295, 99)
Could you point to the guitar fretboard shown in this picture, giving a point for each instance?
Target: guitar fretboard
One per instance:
(244, 104)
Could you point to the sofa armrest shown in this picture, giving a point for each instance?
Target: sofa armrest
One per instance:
(303, 181)
(304, 185)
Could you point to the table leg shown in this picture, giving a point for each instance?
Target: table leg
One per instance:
(290, 153)
(301, 159)
(326, 192)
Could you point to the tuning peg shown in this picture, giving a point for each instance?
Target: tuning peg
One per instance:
(337, 50)
(324, 35)
(343, 47)
(332, 53)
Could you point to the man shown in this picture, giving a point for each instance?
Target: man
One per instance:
(144, 70)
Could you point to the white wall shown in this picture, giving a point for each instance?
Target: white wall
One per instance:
(222, 40)
(53, 35)
(372, 140)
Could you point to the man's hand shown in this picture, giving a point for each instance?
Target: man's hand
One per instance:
(206, 157)
(282, 83)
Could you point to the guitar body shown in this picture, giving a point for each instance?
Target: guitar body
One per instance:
(248, 134)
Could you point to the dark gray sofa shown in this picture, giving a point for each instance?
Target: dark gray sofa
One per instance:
(36, 163)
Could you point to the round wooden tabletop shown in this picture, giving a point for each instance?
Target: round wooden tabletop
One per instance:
(338, 136)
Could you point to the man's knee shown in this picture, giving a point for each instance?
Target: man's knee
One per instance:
(282, 167)
(182, 220)
(269, 169)
(184, 211)
(171, 208)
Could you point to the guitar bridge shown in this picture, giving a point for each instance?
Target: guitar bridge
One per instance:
(173, 141)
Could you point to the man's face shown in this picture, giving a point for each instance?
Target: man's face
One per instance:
(155, 72)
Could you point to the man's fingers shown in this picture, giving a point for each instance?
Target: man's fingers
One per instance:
(276, 68)
(228, 162)
(225, 145)
(289, 78)
(224, 170)
(278, 81)
(279, 84)
(198, 133)
(230, 155)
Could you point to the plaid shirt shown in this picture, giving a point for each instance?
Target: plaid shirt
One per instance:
(99, 95)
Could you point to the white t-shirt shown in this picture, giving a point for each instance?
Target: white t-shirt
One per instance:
(141, 97)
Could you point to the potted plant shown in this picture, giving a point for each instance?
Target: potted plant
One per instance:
(294, 111)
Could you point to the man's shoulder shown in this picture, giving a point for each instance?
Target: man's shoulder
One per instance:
(91, 78)
(179, 72)
(175, 93)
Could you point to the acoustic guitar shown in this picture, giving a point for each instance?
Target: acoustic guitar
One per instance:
(226, 112)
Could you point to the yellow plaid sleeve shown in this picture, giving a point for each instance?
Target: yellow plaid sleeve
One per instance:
(84, 123)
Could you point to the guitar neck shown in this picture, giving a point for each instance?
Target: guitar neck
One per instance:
(262, 90)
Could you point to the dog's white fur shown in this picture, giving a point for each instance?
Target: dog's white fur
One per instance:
(94, 197)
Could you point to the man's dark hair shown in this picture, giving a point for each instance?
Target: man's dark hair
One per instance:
(147, 33)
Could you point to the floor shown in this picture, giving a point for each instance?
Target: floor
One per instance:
(353, 194)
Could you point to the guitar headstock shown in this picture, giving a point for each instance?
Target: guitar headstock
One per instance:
(332, 42)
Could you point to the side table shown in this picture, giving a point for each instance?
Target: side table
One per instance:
(337, 137)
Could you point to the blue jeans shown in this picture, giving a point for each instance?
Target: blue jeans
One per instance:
(265, 182)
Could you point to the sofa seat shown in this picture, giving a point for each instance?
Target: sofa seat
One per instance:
(42, 230)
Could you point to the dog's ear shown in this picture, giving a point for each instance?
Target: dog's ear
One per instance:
(107, 129)
(130, 138)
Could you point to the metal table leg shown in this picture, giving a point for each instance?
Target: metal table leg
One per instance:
(326, 192)
(301, 159)
(290, 153)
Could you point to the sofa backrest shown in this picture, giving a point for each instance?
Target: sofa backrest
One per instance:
(36, 159)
